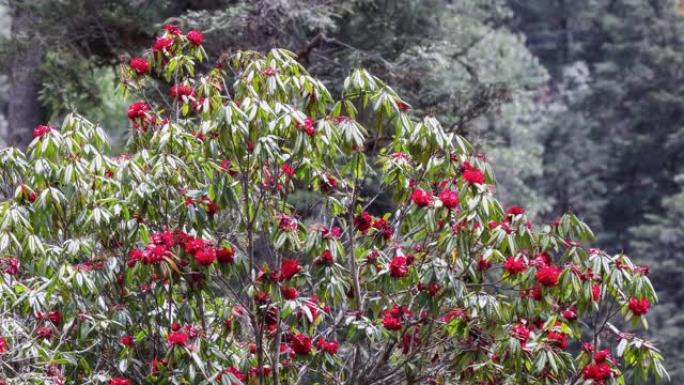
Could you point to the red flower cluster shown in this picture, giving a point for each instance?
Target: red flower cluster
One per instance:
(521, 333)
(639, 307)
(289, 268)
(41, 130)
(515, 210)
(177, 338)
(126, 340)
(140, 65)
(393, 318)
(363, 221)
(3, 344)
(515, 266)
(308, 125)
(162, 44)
(596, 292)
(178, 91)
(327, 346)
(558, 339)
(383, 227)
(300, 344)
(472, 175)
(421, 197)
(599, 370)
(449, 198)
(119, 381)
(289, 293)
(398, 267)
(548, 275)
(195, 37)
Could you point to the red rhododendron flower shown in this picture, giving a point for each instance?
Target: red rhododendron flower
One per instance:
(287, 170)
(205, 256)
(326, 257)
(235, 372)
(515, 210)
(391, 323)
(548, 275)
(162, 44)
(194, 245)
(639, 307)
(596, 292)
(515, 265)
(177, 339)
(569, 314)
(598, 372)
(327, 346)
(449, 199)
(308, 127)
(521, 333)
(420, 197)
(126, 340)
(119, 381)
(601, 356)
(398, 267)
(41, 130)
(473, 176)
(139, 65)
(363, 221)
(268, 71)
(138, 110)
(172, 29)
(558, 339)
(44, 333)
(300, 344)
(3, 344)
(225, 254)
(288, 269)
(177, 91)
(289, 293)
(195, 37)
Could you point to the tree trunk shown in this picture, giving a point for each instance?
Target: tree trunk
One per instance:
(23, 106)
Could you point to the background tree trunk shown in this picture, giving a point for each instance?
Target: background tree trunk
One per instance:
(24, 110)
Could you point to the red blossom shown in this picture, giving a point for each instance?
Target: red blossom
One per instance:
(162, 44)
(3, 344)
(639, 307)
(225, 254)
(596, 292)
(363, 221)
(558, 339)
(178, 91)
(300, 344)
(126, 340)
(420, 197)
(515, 266)
(398, 267)
(206, 256)
(289, 293)
(177, 338)
(41, 130)
(289, 268)
(140, 65)
(515, 210)
(327, 346)
(449, 198)
(548, 275)
(195, 37)
(119, 381)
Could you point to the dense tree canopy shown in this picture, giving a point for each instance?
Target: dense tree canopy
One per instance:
(190, 259)
(576, 104)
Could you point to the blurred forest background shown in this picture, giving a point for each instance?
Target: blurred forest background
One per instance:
(578, 103)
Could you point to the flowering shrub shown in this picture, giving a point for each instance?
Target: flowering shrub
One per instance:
(188, 260)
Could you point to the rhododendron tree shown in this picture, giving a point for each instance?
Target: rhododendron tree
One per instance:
(189, 259)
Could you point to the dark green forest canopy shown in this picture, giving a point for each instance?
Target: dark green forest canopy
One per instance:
(578, 103)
